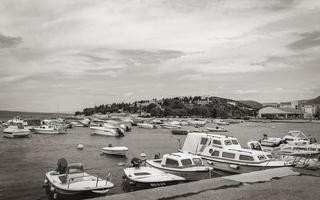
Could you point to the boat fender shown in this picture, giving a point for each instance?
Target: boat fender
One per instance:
(234, 166)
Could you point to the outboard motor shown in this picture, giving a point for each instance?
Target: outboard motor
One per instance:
(120, 132)
(62, 166)
(136, 162)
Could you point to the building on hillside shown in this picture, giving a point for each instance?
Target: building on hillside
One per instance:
(275, 105)
(280, 113)
(309, 111)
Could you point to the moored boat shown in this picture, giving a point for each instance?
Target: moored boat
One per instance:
(49, 129)
(226, 154)
(140, 177)
(107, 130)
(70, 180)
(217, 129)
(16, 131)
(179, 131)
(146, 125)
(115, 150)
(188, 166)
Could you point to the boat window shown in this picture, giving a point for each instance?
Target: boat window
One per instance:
(244, 157)
(228, 155)
(235, 142)
(203, 141)
(197, 161)
(215, 153)
(186, 162)
(270, 156)
(261, 157)
(75, 171)
(227, 142)
(172, 162)
(218, 142)
(141, 173)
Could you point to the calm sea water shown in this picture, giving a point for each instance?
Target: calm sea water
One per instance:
(23, 162)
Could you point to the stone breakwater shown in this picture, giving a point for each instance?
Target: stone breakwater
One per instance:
(280, 183)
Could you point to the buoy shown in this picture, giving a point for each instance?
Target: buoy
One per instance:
(80, 146)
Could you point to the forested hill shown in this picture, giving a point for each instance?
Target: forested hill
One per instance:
(198, 106)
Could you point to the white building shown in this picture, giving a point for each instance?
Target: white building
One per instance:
(280, 113)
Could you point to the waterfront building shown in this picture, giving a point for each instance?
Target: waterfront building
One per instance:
(275, 105)
(280, 113)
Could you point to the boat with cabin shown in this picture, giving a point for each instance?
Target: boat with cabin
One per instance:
(226, 154)
(49, 129)
(71, 181)
(188, 166)
(294, 137)
(141, 177)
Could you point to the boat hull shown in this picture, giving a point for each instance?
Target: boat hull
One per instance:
(114, 152)
(17, 135)
(236, 168)
(188, 175)
(129, 185)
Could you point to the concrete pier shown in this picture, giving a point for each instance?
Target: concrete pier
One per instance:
(280, 183)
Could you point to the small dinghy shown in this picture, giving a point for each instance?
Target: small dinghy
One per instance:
(70, 181)
(217, 129)
(117, 150)
(179, 132)
(139, 177)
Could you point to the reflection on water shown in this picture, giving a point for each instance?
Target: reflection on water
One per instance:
(23, 162)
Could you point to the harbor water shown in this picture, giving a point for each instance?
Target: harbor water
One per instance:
(23, 162)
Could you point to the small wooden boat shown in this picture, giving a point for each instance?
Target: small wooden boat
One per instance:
(138, 177)
(70, 180)
(180, 132)
(117, 150)
(217, 129)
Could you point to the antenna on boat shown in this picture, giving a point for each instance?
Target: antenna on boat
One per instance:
(179, 141)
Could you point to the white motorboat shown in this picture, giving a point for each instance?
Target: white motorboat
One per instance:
(139, 177)
(107, 130)
(146, 125)
(16, 131)
(49, 129)
(197, 122)
(189, 166)
(226, 154)
(294, 137)
(70, 180)
(217, 129)
(115, 150)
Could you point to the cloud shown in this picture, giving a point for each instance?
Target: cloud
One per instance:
(9, 41)
(306, 41)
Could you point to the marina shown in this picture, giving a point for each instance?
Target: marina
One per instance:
(38, 154)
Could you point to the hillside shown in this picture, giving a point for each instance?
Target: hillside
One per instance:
(252, 104)
(5, 115)
(197, 106)
(314, 101)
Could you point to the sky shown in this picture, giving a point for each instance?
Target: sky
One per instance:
(65, 55)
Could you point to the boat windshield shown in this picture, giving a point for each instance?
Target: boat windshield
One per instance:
(197, 161)
(186, 162)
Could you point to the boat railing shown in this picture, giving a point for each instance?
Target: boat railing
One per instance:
(95, 176)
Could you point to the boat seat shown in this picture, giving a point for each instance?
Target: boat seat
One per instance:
(63, 179)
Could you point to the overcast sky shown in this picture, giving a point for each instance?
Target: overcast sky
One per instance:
(64, 55)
